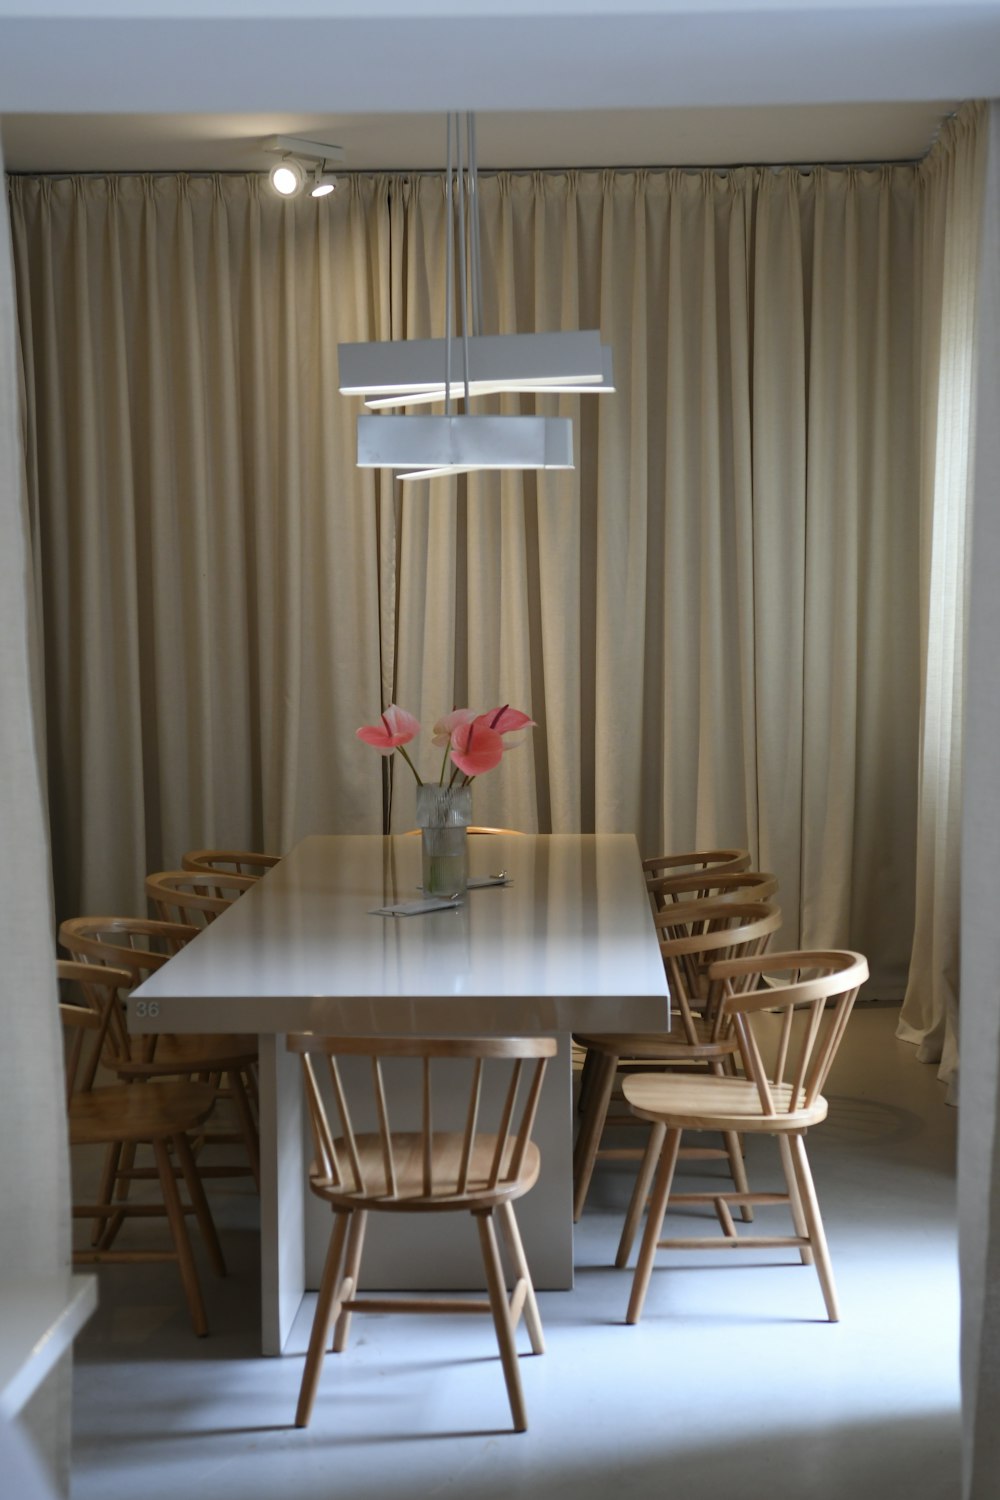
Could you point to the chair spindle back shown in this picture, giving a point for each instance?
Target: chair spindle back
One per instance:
(814, 1003)
(451, 1163)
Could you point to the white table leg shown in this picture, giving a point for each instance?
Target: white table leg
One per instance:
(282, 1192)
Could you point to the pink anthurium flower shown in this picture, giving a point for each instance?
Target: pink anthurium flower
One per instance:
(445, 728)
(506, 720)
(396, 727)
(475, 748)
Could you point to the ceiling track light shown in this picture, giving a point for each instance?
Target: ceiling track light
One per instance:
(410, 372)
(324, 183)
(290, 175)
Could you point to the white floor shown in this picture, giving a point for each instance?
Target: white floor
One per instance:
(732, 1384)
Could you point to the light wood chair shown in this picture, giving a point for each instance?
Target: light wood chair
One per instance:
(193, 898)
(140, 947)
(424, 1165)
(711, 885)
(788, 1035)
(127, 1115)
(694, 934)
(719, 860)
(246, 862)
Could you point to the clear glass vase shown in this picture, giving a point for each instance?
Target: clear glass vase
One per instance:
(443, 814)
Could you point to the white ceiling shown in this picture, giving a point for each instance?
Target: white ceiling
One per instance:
(174, 84)
(677, 137)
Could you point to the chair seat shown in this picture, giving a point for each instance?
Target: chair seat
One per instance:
(194, 1054)
(410, 1194)
(666, 1046)
(124, 1112)
(708, 1103)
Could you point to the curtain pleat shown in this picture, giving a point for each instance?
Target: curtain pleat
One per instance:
(951, 184)
(713, 618)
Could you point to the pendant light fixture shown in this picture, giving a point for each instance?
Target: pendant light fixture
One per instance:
(421, 371)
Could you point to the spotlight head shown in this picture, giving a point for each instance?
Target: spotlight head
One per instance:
(323, 183)
(288, 177)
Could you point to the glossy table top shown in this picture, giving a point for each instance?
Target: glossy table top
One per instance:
(569, 944)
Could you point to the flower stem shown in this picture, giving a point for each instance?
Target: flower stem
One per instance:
(402, 751)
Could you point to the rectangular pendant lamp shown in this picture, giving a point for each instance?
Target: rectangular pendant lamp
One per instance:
(401, 372)
(497, 362)
(457, 444)
(519, 386)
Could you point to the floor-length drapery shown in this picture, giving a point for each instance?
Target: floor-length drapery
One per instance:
(209, 550)
(951, 188)
(979, 1118)
(713, 619)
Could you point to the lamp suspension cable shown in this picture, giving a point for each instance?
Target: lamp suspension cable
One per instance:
(463, 273)
(448, 274)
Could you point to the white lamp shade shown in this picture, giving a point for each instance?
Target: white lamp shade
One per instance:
(324, 184)
(460, 443)
(497, 362)
(287, 177)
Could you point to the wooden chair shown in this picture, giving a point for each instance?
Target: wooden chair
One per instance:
(693, 936)
(140, 947)
(408, 1166)
(235, 861)
(788, 1035)
(127, 1115)
(185, 896)
(720, 860)
(712, 885)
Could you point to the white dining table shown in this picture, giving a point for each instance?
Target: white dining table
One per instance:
(567, 944)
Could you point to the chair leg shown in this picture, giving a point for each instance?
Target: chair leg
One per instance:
(501, 1318)
(795, 1199)
(507, 1220)
(109, 1172)
(738, 1171)
(733, 1144)
(326, 1311)
(352, 1270)
(640, 1193)
(178, 1229)
(126, 1163)
(817, 1235)
(591, 1128)
(586, 1079)
(200, 1204)
(654, 1223)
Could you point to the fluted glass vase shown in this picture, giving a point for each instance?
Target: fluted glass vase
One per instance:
(443, 814)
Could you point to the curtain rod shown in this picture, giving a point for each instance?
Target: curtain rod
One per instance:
(718, 169)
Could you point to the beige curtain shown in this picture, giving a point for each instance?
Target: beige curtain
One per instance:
(713, 619)
(209, 552)
(951, 186)
(979, 1120)
(34, 1221)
